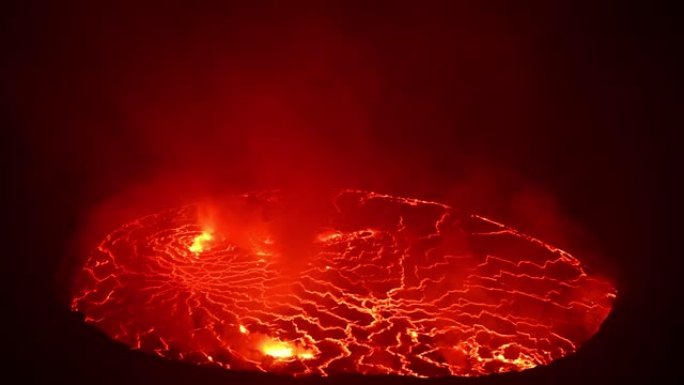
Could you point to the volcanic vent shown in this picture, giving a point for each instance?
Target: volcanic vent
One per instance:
(392, 286)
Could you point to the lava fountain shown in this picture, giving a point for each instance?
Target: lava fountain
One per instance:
(393, 286)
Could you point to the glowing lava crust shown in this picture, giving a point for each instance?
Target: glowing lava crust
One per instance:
(395, 286)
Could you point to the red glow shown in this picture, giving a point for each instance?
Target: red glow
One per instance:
(395, 286)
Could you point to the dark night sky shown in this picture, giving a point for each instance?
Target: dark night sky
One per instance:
(463, 103)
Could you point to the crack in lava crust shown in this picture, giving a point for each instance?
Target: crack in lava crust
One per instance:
(396, 286)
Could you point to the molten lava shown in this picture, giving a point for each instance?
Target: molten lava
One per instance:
(277, 349)
(395, 286)
(200, 241)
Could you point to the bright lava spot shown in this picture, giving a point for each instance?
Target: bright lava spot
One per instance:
(198, 244)
(277, 349)
(389, 286)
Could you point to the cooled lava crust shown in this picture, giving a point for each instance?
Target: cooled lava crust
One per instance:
(394, 286)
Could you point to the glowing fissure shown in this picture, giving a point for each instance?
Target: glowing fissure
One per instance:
(397, 286)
